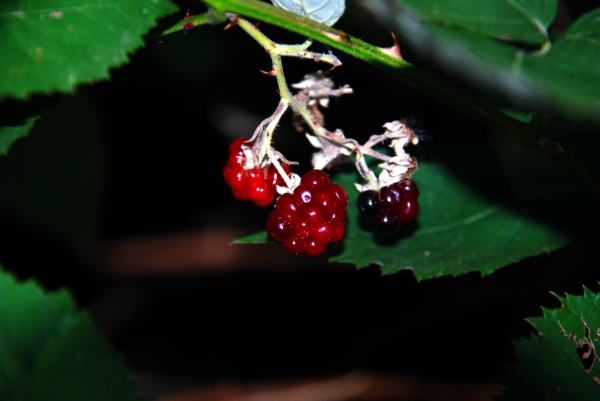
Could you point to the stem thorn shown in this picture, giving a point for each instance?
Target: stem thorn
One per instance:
(393, 51)
(271, 73)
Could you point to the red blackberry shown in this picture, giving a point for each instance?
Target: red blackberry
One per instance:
(306, 220)
(257, 185)
(391, 206)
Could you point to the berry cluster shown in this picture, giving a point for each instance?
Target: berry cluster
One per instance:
(306, 220)
(258, 185)
(391, 206)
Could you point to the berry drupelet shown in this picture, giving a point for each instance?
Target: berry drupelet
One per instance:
(310, 217)
(258, 185)
(391, 206)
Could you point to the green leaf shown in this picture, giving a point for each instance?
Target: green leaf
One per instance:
(53, 45)
(481, 208)
(549, 365)
(258, 238)
(50, 351)
(58, 192)
(563, 77)
(10, 134)
(385, 58)
(518, 20)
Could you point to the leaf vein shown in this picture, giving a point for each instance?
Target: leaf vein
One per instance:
(462, 222)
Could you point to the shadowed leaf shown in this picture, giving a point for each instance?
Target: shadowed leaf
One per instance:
(54, 45)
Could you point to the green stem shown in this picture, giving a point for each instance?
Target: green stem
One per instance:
(377, 56)
(209, 17)
(475, 107)
(262, 146)
(183, 25)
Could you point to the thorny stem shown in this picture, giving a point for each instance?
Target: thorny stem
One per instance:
(382, 58)
(376, 56)
(263, 136)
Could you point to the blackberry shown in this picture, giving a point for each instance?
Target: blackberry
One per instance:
(311, 217)
(257, 185)
(391, 206)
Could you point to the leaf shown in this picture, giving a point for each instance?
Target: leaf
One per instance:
(59, 192)
(258, 238)
(554, 364)
(385, 58)
(481, 208)
(563, 77)
(49, 351)
(518, 20)
(53, 45)
(9, 134)
(325, 11)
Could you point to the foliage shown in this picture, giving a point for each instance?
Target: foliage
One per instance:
(50, 351)
(481, 229)
(505, 47)
(459, 228)
(58, 45)
(560, 361)
(8, 134)
(482, 206)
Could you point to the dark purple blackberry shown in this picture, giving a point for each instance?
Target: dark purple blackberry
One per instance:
(391, 206)
(390, 197)
(408, 209)
(409, 188)
(368, 203)
(385, 221)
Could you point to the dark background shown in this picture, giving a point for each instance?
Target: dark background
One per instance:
(141, 155)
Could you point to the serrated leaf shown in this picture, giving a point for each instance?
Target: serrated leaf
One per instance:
(324, 11)
(549, 366)
(481, 208)
(563, 77)
(49, 351)
(10, 134)
(54, 45)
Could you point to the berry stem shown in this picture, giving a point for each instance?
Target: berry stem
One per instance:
(364, 170)
(280, 169)
(263, 134)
